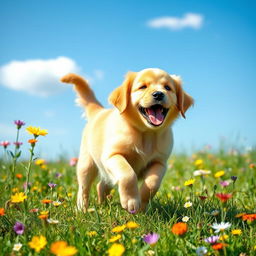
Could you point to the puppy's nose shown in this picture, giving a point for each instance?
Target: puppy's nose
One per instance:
(158, 95)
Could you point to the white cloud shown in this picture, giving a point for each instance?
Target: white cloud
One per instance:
(37, 77)
(189, 20)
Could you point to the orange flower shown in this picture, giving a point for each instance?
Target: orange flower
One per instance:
(32, 141)
(2, 213)
(19, 175)
(46, 201)
(249, 217)
(43, 216)
(179, 228)
(61, 248)
(218, 246)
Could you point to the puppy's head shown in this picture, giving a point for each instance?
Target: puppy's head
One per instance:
(151, 97)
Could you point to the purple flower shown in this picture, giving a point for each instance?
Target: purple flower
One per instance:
(224, 183)
(19, 123)
(211, 239)
(132, 211)
(58, 174)
(17, 144)
(151, 238)
(52, 185)
(19, 228)
(234, 178)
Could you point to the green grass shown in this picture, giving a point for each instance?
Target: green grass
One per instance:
(164, 210)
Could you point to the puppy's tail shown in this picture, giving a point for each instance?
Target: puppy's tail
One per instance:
(85, 95)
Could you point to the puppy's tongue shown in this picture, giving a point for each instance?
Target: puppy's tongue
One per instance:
(155, 115)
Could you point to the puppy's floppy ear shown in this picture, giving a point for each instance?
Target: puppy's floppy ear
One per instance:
(184, 101)
(120, 96)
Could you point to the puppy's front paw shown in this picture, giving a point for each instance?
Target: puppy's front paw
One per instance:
(132, 205)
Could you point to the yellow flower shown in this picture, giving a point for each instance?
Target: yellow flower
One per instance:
(116, 250)
(114, 238)
(219, 174)
(187, 204)
(189, 182)
(18, 197)
(61, 248)
(132, 224)
(37, 243)
(36, 131)
(40, 161)
(118, 229)
(223, 237)
(198, 162)
(44, 212)
(92, 233)
(56, 203)
(236, 232)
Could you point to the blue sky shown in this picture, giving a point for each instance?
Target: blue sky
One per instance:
(104, 40)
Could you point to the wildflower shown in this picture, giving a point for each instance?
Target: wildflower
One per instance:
(188, 204)
(224, 183)
(218, 246)
(221, 227)
(5, 143)
(115, 238)
(43, 216)
(234, 178)
(36, 131)
(32, 142)
(18, 175)
(215, 212)
(223, 237)
(17, 144)
(51, 221)
(40, 161)
(150, 253)
(52, 185)
(19, 228)
(223, 197)
(202, 197)
(179, 228)
(18, 197)
(46, 201)
(61, 248)
(199, 162)
(219, 174)
(151, 238)
(189, 182)
(116, 250)
(236, 232)
(211, 239)
(132, 224)
(56, 203)
(37, 243)
(201, 172)
(73, 161)
(2, 212)
(185, 219)
(249, 217)
(19, 123)
(58, 174)
(239, 215)
(118, 229)
(91, 233)
(201, 251)
(34, 210)
(17, 247)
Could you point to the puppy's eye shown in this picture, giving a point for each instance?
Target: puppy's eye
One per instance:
(167, 88)
(143, 87)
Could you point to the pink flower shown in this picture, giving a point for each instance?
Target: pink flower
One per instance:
(224, 183)
(151, 238)
(19, 123)
(73, 161)
(5, 143)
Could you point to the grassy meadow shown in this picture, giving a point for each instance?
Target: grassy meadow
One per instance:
(38, 214)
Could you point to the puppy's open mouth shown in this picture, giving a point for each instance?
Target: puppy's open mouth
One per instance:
(155, 114)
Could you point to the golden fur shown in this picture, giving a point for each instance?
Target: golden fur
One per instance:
(132, 141)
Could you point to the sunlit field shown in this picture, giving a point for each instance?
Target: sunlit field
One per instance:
(206, 206)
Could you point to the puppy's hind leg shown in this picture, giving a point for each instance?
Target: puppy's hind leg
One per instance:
(103, 190)
(86, 173)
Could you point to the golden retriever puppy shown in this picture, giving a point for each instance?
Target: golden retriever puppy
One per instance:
(132, 141)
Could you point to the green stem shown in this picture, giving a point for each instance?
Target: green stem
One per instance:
(29, 169)
(15, 157)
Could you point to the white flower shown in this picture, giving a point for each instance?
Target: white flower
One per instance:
(185, 219)
(56, 203)
(188, 204)
(17, 247)
(201, 172)
(201, 251)
(51, 221)
(220, 227)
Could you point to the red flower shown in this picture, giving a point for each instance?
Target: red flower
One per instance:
(179, 228)
(249, 217)
(218, 246)
(202, 197)
(223, 197)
